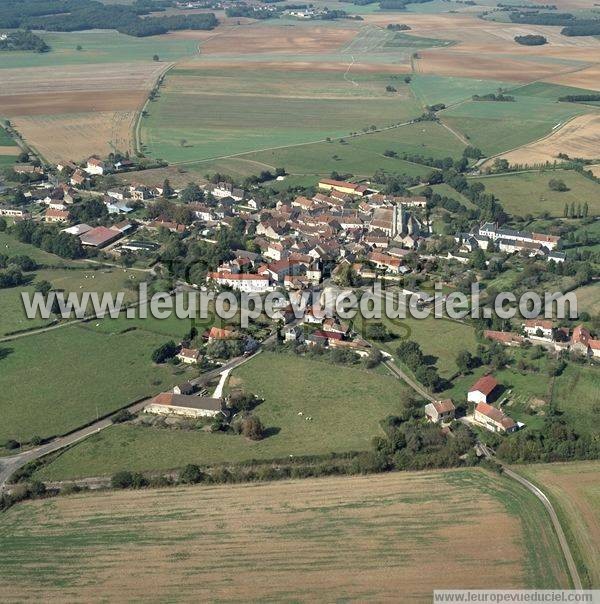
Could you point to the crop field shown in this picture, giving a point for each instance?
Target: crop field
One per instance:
(61, 379)
(348, 538)
(346, 406)
(574, 488)
(76, 136)
(99, 47)
(577, 138)
(72, 111)
(194, 120)
(500, 126)
(529, 193)
(5, 139)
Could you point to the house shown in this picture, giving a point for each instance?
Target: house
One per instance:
(218, 333)
(95, 166)
(340, 186)
(245, 282)
(27, 169)
(226, 189)
(56, 216)
(539, 328)
(118, 207)
(384, 261)
(124, 164)
(78, 178)
(140, 192)
(481, 391)
(99, 237)
(189, 356)
(185, 388)
(493, 419)
(440, 411)
(583, 343)
(169, 403)
(292, 333)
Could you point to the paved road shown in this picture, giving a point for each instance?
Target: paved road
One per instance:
(564, 544)
(9, 465)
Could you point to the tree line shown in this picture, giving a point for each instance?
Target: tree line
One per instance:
(75, 15)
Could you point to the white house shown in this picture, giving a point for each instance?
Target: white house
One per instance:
(245, 282)
(493, 419)
(95, 166)
(189, 356)
(539, 328)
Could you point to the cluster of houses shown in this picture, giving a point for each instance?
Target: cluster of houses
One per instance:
(511, 241)
(481, 394)
(543, 331)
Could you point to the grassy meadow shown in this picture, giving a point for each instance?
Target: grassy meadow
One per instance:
(375, 536)
(495, 127)
(99, 46)
(62, 379)
(346, 406)
(529, 193)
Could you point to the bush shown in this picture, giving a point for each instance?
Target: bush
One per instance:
(252, 428)
(122, 416)
(191, 474)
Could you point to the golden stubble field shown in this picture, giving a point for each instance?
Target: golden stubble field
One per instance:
(579, 137)
(71, 112)
(575, 487)
(381, 537)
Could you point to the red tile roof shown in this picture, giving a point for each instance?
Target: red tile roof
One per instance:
(485, 385)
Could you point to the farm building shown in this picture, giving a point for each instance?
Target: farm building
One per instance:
(482, 390)
(52, 215)
(99, 237)
(493, 419)
(245, 282)
(340, 186)
(169, 403)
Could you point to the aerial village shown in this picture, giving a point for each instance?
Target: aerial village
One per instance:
(346, 235)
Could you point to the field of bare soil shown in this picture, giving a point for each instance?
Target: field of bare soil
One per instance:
(323, 539)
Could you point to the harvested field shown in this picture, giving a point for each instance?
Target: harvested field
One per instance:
(71, 102)
(595, 170)
(9, 150)
(76, 136)
(80, 78)
(574, 487)
(579, 137)
(585, 78)
(272, 38)
(328, 539)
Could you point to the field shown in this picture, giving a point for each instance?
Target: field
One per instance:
(588, 299)
(78, 135)
(64, 378)
(496, 127)
(201, 115)
(346, 405)
(529, 193)
(72, 111)
(340, 538)
(13, 316)
(99, 47)
(440, 339)
(574, 490)
(577, 393)
(577, 138)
